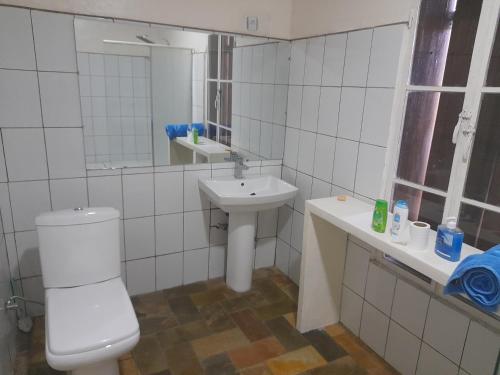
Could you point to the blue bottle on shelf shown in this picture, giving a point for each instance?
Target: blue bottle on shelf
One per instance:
(449, 240)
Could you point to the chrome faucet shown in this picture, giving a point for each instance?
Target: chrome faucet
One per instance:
(239, 166)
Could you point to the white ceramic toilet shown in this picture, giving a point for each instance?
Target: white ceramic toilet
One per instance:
(89, 319)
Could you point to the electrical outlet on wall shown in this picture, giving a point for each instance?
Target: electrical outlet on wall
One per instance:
(252, 23)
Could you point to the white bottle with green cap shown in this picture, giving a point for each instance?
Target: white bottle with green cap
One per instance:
(400, 222)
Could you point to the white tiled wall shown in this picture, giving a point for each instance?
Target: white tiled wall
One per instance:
(340, 98)
(116, 111)
(198, 91)
(259, 98)
(408, 325)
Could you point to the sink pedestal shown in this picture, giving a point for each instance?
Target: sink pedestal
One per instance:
(240, 250)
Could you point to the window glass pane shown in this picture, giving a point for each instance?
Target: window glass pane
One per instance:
(226, 63)
(483, 179)
(225, 137)
(444, 42)
(213, 55)
(212, 98)
(423, 206)
(494, 69)
(426, 153)
(481, 227)
(225, 104)
(212, 132)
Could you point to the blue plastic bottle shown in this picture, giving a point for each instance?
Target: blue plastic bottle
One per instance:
(449, 240)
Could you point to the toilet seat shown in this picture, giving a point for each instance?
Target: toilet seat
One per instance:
(89, 323)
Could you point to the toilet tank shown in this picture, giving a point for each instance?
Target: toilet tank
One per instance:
(79, 246)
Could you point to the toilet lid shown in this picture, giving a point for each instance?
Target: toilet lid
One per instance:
(88, 317)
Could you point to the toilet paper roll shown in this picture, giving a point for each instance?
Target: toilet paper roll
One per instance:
(419, 235)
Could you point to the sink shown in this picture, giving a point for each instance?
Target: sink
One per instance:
(248, 194)
(242, 199)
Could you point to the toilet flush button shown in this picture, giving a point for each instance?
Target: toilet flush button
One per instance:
(78, 209)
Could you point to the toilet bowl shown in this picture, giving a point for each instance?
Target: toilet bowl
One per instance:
(89, 318)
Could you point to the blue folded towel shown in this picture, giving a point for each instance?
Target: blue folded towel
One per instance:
(176, 130)
(479, 277)
(200, 126)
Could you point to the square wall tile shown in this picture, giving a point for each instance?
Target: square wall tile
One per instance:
(304, 184)
(294, 106)
(329, 107)
(169, 233)
(54, 35)
(323, 159)
(19, 99)
(106, 191)
(257, 62)
(217, 261)
(33, 289)
(194, 198)
(267, 222)
(28, 200)
(351, 308)
(60, 99)
(169, 192)
(369, 172)
(320, 189)
(374, 326)
(3, 165)
(297, 61)
(141, 276)
(65, 152)
(402, 349)
(314, 61)
(265, 252)
(380, 286)
(431, 362)
(305, 160)
(291, 147)
(384, 57)
(356, 268)
(138, 195)
(310, 108)
(285, 214)
(28, 254)
(357, 58)
(18, 52)
(195, 265)
(410, 306)
(25, 154)
(283, 63)
(351, 113)
(269, 62)
(139, 238)
(218, 236)
(481, 350)
(68, 193)
(169, 271)
(279, 104)
(11, 252)
(344, 165)
(377, 116)
(294, 266)
(333, 62)
(267, 98)
(282, 256)
(5, 209)
(445, 330)
(297, 230)
(196, 229)
(266, 138)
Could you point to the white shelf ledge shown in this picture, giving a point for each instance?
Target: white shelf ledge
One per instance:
(354, 217)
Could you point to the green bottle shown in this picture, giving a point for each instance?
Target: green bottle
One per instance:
(379, 220)
(195, 136)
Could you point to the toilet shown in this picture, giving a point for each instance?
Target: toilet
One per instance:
(89, 318)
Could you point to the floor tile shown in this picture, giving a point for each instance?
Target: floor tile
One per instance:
(342, 366)
(148, 355)
(216, 318)
(257, 352)
(274, 310)
(155, 324)
(296, 362)
(218, 343)
(253, 328)
(288, 336)
(128, 367)
(219, 364)
(182, 360)
(208, 297)
(256, 370)
(183, 333)
(184, 309)
(325, 345)
(184, 290)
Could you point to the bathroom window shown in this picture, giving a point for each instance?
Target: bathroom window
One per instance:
(448, 159)
(219, 82)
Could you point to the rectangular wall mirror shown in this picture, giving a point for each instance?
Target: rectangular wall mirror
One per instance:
(144, 88)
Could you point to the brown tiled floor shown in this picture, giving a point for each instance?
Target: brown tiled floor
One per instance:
(205, 328)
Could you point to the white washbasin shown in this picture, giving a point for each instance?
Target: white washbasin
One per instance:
(248, 194)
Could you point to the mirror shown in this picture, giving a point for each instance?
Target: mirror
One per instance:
(155, 95)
